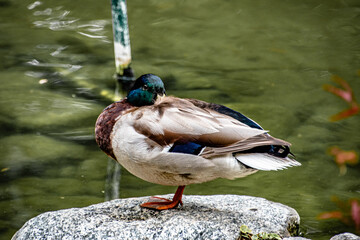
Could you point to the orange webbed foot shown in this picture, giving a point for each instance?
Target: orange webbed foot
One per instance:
(163, 203)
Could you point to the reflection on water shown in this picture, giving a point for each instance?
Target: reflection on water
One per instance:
(94, 29)
(69, 67)
(269, 60)
(58, 19)
(34, 5)
(112, 184)
(57, 22)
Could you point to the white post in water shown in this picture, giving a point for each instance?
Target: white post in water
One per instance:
(122, 48)
(125, 78)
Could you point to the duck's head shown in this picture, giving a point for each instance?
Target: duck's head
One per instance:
(146, 90)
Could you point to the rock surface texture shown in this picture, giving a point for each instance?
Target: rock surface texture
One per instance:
(296, 238)
(345, 236)
(201, 217)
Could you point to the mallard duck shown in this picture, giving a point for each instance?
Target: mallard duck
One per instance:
(172, 141)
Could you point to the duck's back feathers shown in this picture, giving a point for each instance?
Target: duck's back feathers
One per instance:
(179, 120)
(226, 111)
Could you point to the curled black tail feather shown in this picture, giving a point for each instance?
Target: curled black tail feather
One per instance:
(275, 150)
(280, 151)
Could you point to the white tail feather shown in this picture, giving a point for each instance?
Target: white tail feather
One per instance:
(265, 162)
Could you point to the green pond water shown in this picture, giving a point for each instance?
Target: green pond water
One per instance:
(266, 59)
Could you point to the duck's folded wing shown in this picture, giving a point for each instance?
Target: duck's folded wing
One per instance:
(181, 121)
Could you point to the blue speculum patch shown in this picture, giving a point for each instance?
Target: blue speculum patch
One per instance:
(188, 148)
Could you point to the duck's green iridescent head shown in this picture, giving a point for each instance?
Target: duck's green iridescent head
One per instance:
(146, 90)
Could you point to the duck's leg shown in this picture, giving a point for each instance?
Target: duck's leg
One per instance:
(164, 203)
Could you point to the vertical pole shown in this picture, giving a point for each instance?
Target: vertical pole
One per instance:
(124, 73)
(125, 78)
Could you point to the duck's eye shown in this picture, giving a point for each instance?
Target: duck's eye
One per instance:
(145, 87)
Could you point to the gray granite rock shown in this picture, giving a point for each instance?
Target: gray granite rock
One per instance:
(345, 236)
(296, 238)
(201, 217)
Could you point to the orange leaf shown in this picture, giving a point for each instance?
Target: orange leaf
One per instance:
(342, 83)
(345, 114)
(345, 95)
(330, 215)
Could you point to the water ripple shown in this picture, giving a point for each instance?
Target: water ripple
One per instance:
(34, 5)
(58, 19)
(55, 24)
(70, 67)
(46, 12)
